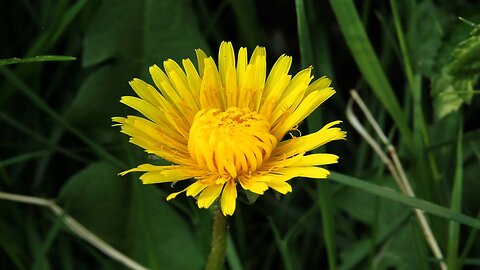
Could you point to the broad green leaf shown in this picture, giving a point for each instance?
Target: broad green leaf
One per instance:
(425, 38)
(98, 100)
(450, 92)
(144, 33)
(353, 255)
(97, 198)
(158, 236)
(454, 85)
(466, 56)
(400, 246)
(138, 221)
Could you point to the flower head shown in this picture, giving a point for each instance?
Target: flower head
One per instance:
(223, 126)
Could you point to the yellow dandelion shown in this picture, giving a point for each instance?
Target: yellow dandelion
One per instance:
(223, 127)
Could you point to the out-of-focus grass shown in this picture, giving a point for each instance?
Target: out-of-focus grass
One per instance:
(413, 62)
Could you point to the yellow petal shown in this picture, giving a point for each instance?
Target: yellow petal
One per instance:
(211, 92)
(321, 83)
(280, 186)
(305, 108)
(257, 187)
(143, 107)
(119, 120)
(241, 65)
(293, 94)
(163, 84)
(271, 100)
(226, 60)
(201, 56)
(231, 87)
(309, 142)
(209, 195)
(173, 195)
(172, 175)
(278, 73)
(310, 172)
(144, 168)
(229, 197)
(159, 133)
(179, 81)
(259, 60)
(256, 184)
(316, 159)
(276, 181)
(194, 80)
(195, 188)
(143, 91)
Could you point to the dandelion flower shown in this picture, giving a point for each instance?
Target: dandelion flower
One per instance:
(222, 126)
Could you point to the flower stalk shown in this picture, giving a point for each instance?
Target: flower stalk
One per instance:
(218, 249)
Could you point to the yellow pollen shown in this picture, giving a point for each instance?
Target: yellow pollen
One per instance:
(230, 142)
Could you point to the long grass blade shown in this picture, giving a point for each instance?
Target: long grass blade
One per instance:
(393, 195)
(232, 256)
(40, 58)
(306, 52)
(22, 158)
(282, 246)
(456, 205)
(368, 63)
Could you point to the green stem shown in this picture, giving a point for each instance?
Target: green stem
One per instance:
(219, 243)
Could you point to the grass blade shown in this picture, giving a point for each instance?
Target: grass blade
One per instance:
(282, 246)
(36, 136)
(40, 58)
(368, 63)
(324, 192)
(28, 92)
(22, 158)
(232, 256)
(393, 195)
(306, 52)
(456, 205)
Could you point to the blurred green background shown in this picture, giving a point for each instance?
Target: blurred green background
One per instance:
(415, 64)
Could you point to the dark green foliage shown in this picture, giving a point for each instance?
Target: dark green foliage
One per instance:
(65, 64)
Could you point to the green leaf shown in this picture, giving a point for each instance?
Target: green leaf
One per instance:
(450, 92)
(147, 33)
(454, 85)
(466, 56)
(158, 234)
(138, 221)
(44, 106)
(425, 39)
(400, 246)
(40, 58)
(105, 90)
(97, 198)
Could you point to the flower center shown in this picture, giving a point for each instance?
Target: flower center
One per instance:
(230, 142)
